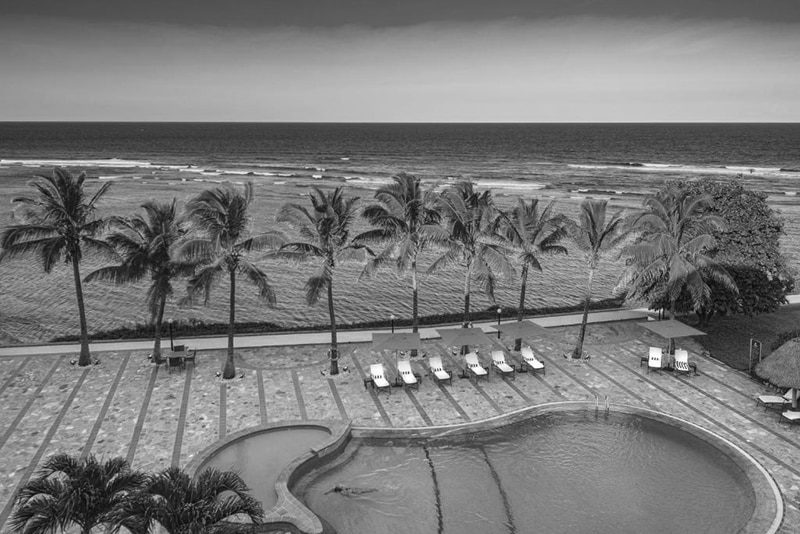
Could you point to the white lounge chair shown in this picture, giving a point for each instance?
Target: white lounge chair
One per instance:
(533, 362)
(378, 377)
(474, 366)
(682, 364)
(438, 371)
(790, 416)
(655, 361)
(775, 402)
(499, 363)
(406, 374)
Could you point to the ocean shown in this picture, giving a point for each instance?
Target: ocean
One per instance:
(561, 162)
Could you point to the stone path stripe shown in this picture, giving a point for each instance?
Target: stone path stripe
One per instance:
(262, 397)
(43, 445)
(456, 405)
(713, 421)
(337, 399)
(137, 430)
(14, 374)
(485, 395)
(222, 431)
(574, 378)
(503, 496)
(512, 385)
(373, 394)
(298, 395)
(104, 410)
(24, 411)
(623, 388)
(176, 450)
(418, 406)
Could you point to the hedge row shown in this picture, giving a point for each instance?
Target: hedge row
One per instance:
(198, 328)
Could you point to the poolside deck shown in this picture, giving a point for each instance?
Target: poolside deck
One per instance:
(128, 407)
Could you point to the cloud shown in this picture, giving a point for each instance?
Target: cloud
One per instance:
(562, 69)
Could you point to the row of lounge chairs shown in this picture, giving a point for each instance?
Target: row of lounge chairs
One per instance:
(473, 368)
(782, 403)
(658, 361)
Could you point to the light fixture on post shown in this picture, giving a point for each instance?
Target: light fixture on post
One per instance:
(391, 318)
(499, 313)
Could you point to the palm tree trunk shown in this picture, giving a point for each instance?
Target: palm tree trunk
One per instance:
(414, 302)
(85, 357)
(159, 320)
(587, 300)
(467, 289)
(334, 348)
(671, 341)
(521, 310)
(230, 368)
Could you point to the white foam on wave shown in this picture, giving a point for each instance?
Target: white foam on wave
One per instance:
(110, 162)
(505, 184)
(730, 170)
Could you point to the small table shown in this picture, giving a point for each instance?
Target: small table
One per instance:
(175, 361)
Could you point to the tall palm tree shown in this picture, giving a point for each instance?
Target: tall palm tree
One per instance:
(326, 231)
(670, 256)
(58, 223)
(220, 217)
(74, 491)
(532, 232)
(143, 244)
(183, 505)
(474, 240)
(596, 235)
(407, 220)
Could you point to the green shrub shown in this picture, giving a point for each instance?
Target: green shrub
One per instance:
(783, 337)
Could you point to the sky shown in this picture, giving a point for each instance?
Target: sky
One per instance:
(400, 61)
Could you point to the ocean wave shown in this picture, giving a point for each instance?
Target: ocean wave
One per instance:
(110, 162)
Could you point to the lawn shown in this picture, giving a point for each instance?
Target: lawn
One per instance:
(729, 337)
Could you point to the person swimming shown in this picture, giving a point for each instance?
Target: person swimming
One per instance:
(347, 492)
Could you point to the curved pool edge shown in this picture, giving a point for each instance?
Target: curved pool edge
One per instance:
(288, 509)
(768, 511)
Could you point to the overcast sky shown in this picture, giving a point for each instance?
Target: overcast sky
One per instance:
(412, 60)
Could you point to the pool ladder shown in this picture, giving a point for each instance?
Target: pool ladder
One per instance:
(597, 404)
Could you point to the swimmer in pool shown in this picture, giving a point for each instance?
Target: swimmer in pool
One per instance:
(347, 492)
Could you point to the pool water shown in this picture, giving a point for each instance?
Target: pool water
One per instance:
(259, 458)
(565, 472)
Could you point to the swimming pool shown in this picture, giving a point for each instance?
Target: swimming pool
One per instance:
(573, 471)
(260, 456)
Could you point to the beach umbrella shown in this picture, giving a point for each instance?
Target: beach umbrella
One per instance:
(455, 337)
(782, 367)
(396, 341)
(671, 329)
(521, 329)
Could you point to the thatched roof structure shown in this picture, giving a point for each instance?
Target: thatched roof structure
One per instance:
(782, 367)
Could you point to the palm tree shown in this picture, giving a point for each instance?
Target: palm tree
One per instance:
(532, 232)
(596, 235)
(144, 243)
(57, 223)
(220, 216)
(407, 220)
(326, 230)
(74, 491)
(474, 241)
(183, 505)
(670, 258)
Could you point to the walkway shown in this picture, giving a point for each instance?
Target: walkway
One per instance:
(126, 406)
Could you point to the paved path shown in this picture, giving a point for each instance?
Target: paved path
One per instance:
(128, 407)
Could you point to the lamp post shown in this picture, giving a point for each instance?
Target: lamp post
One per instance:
(499, 312)
(171, 344)
(391, 318)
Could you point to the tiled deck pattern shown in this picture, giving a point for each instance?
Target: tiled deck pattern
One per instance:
(126, 406)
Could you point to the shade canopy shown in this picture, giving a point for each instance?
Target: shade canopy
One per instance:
(782, 367)
(456, 337)
(397, 341)
(672, 328)
(520, 329)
